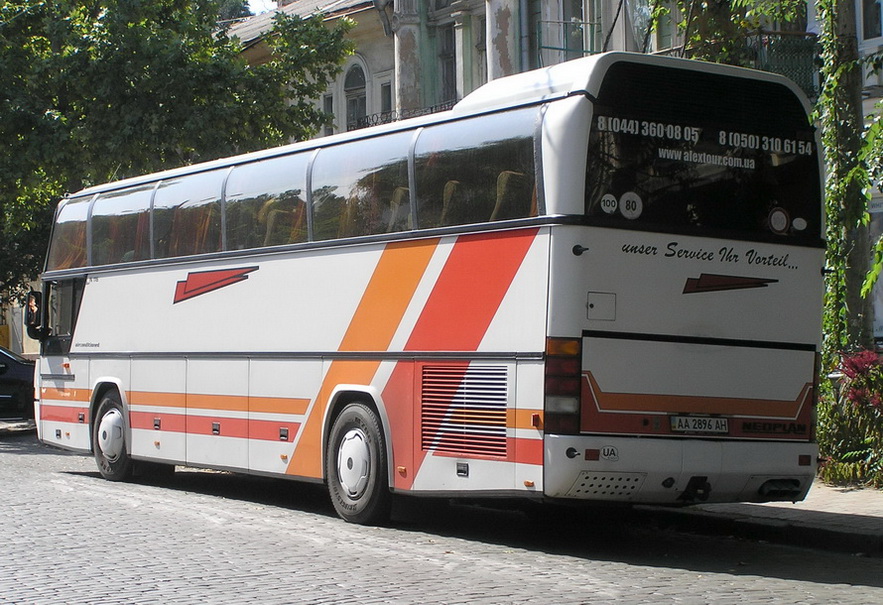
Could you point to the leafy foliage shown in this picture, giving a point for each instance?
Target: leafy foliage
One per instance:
(851, 423)
(716, 31)
(92, 91)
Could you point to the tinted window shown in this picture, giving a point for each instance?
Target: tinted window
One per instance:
(266, 203)
(68, 246)
(477, 170)
(121, 226)
(62, 311)
(692, 152)
(187, 215)
(361, 188)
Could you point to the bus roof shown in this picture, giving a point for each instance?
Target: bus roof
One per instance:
(584, 76)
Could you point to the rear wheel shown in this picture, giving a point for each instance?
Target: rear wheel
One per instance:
(356, 466)
(109, 440)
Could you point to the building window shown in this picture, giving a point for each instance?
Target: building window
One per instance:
(328, 107)
(447, 64)
(871, 19)
(665, 29)
(356, 98)
(386, 97)
(481, 52)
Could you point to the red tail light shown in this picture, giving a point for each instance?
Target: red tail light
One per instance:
(563, 383)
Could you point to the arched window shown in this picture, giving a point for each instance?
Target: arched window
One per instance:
(356, 98)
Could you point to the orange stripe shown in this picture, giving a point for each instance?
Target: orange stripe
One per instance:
(639, 402)
(278, 405)
(228, 403)
(386, 298)
(266, 405)
(79, 395)
(169, 400)
(522, 419)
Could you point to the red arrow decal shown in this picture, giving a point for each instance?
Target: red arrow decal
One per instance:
(204, 282)
(708, 282)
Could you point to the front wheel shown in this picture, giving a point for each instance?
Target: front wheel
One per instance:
(109, 440)
(356, 466)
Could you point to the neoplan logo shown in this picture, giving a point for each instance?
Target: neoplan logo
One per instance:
(203, 282)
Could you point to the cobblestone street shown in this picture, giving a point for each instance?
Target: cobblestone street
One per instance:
(206, 537)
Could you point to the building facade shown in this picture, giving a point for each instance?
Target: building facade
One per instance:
(419, 56)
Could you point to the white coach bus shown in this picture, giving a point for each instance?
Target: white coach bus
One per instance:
(600, 281)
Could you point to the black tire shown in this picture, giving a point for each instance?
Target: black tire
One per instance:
(356, 467)
(109, 440)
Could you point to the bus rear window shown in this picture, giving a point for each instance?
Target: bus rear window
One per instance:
(697, 153)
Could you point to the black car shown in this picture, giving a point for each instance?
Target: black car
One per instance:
(16, 385)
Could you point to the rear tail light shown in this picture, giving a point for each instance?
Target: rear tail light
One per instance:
(563, 384)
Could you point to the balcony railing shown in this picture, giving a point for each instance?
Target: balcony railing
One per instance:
(794, 55)
(564, 40)
(386, 117)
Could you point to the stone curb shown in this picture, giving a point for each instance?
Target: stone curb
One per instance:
(777, 531)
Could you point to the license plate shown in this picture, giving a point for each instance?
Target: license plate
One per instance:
(699, 424)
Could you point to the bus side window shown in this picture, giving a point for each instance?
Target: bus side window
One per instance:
(362, 188)
(63, 307)
(476, 170)
(120, 226)
(187, 215)
(67, 249)
(266, 204)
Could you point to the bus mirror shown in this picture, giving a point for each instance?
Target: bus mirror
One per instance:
(34, 316)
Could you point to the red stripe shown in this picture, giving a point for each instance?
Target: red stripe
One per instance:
(229, 427)
(58, 413)
(174, 423)
(476, 277)
(469, 291)
(527, 451)
(265, 430)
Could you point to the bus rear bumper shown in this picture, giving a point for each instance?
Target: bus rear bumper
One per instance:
(676, 471)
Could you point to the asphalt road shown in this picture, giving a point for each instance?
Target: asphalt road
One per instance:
(205, 537)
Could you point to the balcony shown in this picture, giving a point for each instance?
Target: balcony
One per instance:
(386, 117)
(793, 55)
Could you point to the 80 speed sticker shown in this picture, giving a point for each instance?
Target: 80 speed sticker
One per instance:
(629, 204)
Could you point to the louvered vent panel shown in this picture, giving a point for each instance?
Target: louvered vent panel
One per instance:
(464, 410)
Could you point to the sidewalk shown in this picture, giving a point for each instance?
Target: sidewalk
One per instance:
(831, 518)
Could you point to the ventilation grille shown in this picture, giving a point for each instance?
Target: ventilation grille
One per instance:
(464, 410)
(607, 486)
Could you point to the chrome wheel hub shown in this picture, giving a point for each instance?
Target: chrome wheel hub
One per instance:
(110, 435)
(353, 463)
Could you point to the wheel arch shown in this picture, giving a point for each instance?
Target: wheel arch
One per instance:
(345, 394)
(99, 390)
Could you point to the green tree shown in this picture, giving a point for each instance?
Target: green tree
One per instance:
(92, 91)
(229, 10)
(848, 318)
(717, 31)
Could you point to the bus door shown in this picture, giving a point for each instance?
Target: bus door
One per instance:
(63, 381)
